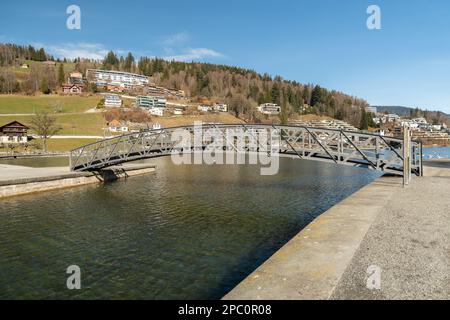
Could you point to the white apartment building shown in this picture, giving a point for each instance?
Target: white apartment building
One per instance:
(220, 107)
(178, 111)
(151, 102)
(393, 117)
(124, 79)
(269, 109)
(204, 108)
(156, 112)
(113, 101)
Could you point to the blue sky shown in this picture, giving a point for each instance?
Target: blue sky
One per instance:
(323, 42)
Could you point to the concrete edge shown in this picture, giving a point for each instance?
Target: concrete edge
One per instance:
(310, 266)
(50, 183)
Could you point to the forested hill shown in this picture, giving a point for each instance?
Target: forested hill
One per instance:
(431, 116)
(242, 89)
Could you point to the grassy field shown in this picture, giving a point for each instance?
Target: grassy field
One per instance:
(17, 104)
(53, 145)
(68, 67)
(224, 118)
(62, 145)
(86, 124)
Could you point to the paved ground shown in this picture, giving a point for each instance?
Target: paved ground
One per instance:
(409, 241)
(75, 137)
(8, 172)
(13, 174)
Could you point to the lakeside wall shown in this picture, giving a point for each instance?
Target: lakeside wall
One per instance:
(50, 182)
(310, 266)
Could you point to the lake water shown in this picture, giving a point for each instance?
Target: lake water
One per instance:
(436, 153)
(185, 232)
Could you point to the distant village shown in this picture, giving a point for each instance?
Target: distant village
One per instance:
(394, 125)
(155, 100)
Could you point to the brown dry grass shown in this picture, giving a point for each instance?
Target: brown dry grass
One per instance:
(224, 118)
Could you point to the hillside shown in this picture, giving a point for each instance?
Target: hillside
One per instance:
(401, 111)
(242, 89)
(431, 116)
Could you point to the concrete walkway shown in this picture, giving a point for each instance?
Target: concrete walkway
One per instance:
(403, 231)
(409, 241)
(17, 180)
(8, 172)
(10, 175)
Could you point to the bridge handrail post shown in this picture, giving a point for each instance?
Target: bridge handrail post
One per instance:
(421, 158)
(406, 156)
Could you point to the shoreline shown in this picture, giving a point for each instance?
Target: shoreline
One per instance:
(311, 264)
(329, 258)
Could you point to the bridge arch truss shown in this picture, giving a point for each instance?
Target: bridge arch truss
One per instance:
(358, 149)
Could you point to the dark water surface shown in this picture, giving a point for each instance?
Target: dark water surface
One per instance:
(186, 232)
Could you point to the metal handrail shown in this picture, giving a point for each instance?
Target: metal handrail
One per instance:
(351, 147)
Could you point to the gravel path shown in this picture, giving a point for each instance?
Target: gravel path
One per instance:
(410, 242)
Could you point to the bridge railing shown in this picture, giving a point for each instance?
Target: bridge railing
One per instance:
(336, 146)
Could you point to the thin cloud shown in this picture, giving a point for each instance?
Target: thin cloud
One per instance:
(175, 40)
(95, 51)
(195, 54)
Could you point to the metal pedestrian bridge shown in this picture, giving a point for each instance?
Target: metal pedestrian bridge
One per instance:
(376, 152)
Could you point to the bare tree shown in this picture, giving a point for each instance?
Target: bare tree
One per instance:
(8, 82)
(45, 126)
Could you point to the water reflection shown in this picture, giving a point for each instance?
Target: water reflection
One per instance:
(186, 232)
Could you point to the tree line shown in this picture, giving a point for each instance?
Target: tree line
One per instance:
(242, 89)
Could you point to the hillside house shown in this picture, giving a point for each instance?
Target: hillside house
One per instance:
(151, 102)
(114, 88)
(159, 112)
(113, 101)
(72, 89)
(269, 109)
(116, 126)
(14, 132)
(204, 108)
(178, 111)
(220, 107)
(75, 78)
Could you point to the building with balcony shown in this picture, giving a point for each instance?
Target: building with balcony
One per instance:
(14, 133)
(269, 109)
(124, 79)
(149, 102)
(204, 108)
(113, 101)
(75, 78)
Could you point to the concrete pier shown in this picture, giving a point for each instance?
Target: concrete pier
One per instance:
(17, 180)
(405, 232)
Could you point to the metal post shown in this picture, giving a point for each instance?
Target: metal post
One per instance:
(406, 156)
(421, 158)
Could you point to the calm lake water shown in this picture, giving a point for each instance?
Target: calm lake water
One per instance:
(186, 232)
(436, 153)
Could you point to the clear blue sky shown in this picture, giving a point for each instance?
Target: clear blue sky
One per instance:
(323, 42)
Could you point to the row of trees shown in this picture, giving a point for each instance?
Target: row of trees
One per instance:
(40, 78)
(12, 54)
